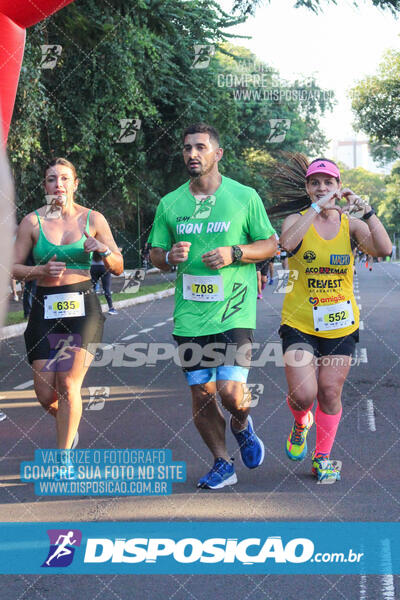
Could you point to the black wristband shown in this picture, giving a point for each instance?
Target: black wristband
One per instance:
(368, 215)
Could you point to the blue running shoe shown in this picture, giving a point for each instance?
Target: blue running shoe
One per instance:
(222, 474)
(251, 447)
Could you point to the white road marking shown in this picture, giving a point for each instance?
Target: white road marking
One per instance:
(388, 591)
(363, 587)
(146, 330)
(129, 337)
(170, 319)
(370, 414)
(361, 325)
(159, 324)
(23, 386)
(361, 355)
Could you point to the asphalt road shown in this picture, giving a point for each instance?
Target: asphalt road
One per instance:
(149, 407)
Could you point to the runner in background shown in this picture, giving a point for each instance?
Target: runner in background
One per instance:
(284, 259)
(262, 277)
(66, 315)
(29, 289)
(98, 272)
(215, 230)
(320, 317)
(145, 256)
(265, 272)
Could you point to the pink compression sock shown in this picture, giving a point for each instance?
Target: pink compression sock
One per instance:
(300, 416)
(326, 430)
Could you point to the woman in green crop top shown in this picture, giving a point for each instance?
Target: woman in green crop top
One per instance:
(66, 321)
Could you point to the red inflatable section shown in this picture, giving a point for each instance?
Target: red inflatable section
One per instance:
(15, 17)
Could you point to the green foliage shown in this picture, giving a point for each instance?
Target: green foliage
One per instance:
(249, 6)
(376, 103)
(389, 209)
(122, 62)
(365, 183)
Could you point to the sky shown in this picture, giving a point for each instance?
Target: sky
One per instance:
(339, 47)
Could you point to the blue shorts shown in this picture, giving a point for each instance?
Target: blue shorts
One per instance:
(216, 357)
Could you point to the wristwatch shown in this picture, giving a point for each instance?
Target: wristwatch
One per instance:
(105, 253)
(368, 214)
(236, 254)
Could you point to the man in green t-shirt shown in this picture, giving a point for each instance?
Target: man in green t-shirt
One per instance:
(215, 230)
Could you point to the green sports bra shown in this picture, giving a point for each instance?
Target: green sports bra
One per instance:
(73, 254)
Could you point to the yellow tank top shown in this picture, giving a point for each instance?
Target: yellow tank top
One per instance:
(321, 301)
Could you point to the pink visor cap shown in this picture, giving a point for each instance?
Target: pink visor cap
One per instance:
(323, 166)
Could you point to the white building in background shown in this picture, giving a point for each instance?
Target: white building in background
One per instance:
(354, 153)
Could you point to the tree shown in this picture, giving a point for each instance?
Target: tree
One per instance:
(249, 6)
(389, 208)
(376, 103)
(160, 66)
(273, 115)
(365, 183)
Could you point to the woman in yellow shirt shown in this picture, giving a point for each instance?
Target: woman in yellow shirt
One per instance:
(320, 317)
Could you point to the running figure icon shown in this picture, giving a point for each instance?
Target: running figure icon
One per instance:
(62, 550)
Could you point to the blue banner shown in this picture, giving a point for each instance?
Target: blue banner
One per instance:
(200, 548)
(110, 472)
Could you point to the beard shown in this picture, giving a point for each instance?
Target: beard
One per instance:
(199, 170)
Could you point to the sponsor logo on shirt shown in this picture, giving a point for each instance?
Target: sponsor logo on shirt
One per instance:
(196, 228)
(325, 284)
(326, 270)
(331, 300)
(204, 206)
(309, 256)
(236, 302)
(340, 259)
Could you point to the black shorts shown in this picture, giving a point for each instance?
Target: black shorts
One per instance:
(226, 349)
(42, 335)
(320, 346)
(263, 266)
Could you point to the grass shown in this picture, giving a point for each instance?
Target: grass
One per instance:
(143, 290)
(13, 318)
